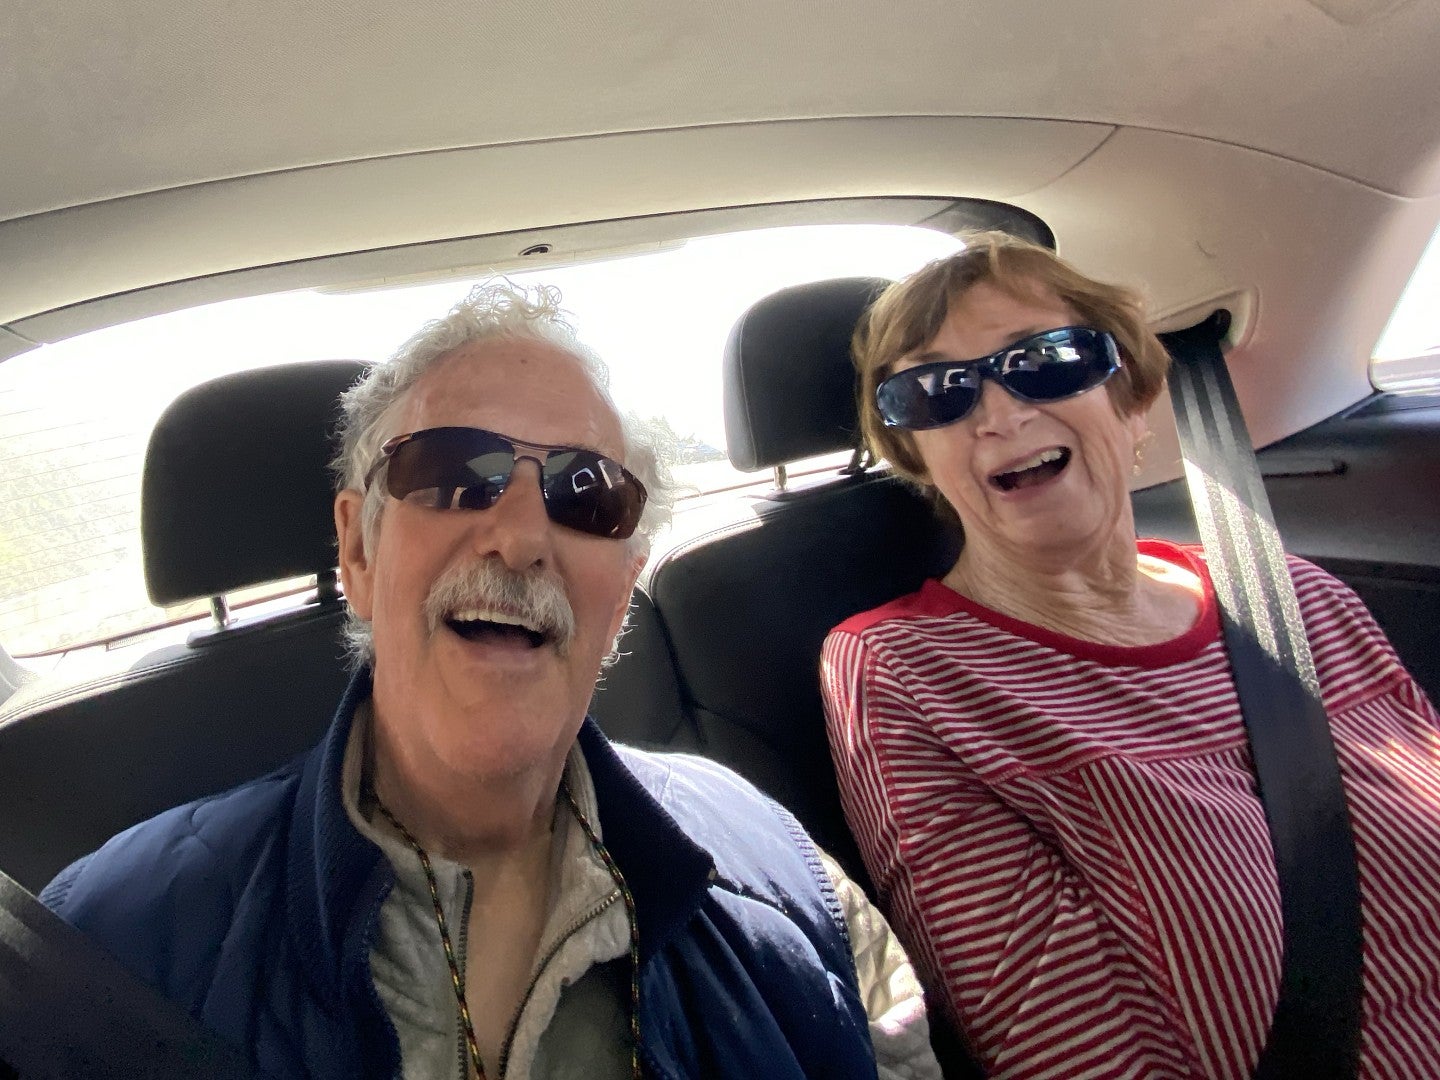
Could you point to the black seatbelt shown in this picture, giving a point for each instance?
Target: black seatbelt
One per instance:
(68, 1009)
(1316, 1029)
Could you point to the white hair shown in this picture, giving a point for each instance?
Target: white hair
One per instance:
(498, 309)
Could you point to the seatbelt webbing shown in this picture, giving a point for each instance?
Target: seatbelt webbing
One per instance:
(1316, 1029)
(69, 1009)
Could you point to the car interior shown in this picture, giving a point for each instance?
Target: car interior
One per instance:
(1280, 162)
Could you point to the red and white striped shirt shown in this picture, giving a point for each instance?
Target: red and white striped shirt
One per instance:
(1068, 838)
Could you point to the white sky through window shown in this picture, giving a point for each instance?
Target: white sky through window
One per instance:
(1408, 353)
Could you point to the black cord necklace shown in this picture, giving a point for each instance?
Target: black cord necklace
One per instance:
(458, 981)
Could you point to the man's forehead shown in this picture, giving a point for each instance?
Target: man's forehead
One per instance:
(525, 388)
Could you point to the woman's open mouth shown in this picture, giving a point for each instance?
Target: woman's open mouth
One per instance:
(1039, 468)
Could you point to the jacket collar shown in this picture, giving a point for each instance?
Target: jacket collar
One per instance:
(667, 872)
(337, 879)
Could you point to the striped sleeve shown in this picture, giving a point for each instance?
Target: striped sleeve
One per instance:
(989, 908)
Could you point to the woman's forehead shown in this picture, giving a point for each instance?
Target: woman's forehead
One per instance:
(987, 317)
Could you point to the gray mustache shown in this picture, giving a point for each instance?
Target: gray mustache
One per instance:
(536, 598)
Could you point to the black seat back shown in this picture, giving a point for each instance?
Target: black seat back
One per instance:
(747, 609)
(637, 700)
(746, 605)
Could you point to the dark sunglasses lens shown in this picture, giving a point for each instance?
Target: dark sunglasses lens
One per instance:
(928, 396)
(1059, 365)
(591, 493)
(469, 468)
(433, 467)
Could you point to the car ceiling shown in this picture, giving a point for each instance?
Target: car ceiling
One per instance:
(1281, 157)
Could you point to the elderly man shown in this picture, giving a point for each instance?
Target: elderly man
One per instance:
(464, 878)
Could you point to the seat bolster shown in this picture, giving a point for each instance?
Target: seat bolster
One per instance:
(638, 700)
(79, 764)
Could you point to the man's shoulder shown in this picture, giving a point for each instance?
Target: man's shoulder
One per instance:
(176, 875)
(675, 777)
(764, 862)
(747, 833)
(211, 830)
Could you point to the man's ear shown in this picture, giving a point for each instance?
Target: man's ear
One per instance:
(357, 575)
(632, 573)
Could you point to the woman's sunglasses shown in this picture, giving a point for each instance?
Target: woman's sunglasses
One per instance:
(462, 468)
(1046, 367)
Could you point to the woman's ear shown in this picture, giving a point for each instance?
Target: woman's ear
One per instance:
(1139, 429)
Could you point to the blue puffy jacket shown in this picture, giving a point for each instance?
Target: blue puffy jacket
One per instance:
(256, 910)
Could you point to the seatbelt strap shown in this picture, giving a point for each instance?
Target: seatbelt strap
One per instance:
(69, 1009)
(1316, 1029)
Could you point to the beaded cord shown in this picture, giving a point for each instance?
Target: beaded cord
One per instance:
(458, 981)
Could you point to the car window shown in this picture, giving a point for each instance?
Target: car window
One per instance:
(75, 416)
(1407, 356)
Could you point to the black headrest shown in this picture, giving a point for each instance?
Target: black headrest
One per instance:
(789, 381)
(236, 490)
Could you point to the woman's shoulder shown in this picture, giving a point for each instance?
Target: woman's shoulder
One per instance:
(1353, 657)
(1316, 586)
(931, 600)
(1321, 595)
(1312, 582)
(1348, 644)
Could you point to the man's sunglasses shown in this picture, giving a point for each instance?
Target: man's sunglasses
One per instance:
(462, 468)
(1045, 367)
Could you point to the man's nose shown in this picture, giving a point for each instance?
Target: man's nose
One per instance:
(999, 411)
(516, 528)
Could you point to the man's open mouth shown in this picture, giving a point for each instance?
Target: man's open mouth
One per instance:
(1036, 469)
(485, 625)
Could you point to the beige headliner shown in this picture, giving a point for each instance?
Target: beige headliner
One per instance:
(1283, 153)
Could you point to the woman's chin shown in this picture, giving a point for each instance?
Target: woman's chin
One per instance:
(1055, 534)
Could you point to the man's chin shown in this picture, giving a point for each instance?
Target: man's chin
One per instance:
(485, 708)
(509, 752)
(498, 724)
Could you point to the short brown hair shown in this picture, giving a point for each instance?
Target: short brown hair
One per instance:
(908, 315)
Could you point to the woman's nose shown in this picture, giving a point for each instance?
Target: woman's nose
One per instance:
(1000, 412)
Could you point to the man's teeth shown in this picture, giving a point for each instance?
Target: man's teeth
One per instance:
(504, 618)
(1044, 457)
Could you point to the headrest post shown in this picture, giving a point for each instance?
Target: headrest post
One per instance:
(326, 590)
(862, 460)
(781, 477)
(220, 612)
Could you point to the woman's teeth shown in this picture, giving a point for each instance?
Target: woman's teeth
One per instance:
(1036, 469)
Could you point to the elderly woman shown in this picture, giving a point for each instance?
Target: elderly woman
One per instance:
(1042, 753)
